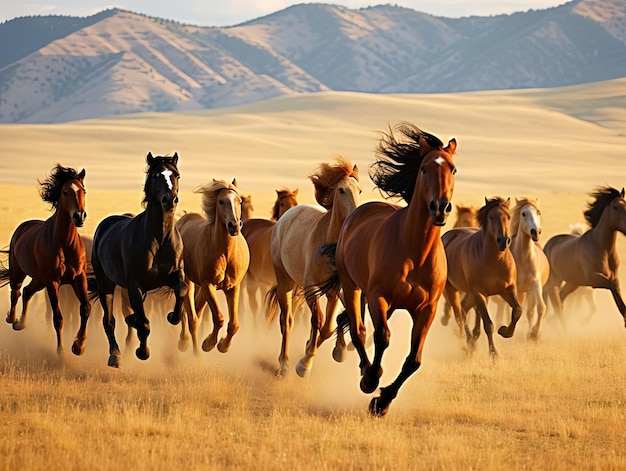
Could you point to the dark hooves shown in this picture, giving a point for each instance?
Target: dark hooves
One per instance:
(173, 319)
(504, 332)
(142, 353)
(378, 408)
(369, 384)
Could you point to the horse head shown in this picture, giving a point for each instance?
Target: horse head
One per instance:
(436, 180)
(337, 187)
(494, 218)
(529, 218)
(161, 187)
(618, 207)
(228, 210)
(285, 199)
(72, 200)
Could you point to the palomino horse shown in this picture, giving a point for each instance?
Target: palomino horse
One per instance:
(392, 256)
(52, 254)
(590, 259)
(531, 262)
(216, 257)
(480, 265)
(260, 276)
(296, 239)
(141, 254)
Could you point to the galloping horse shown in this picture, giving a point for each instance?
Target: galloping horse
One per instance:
(141, 253)
(260, 276)
(590, 259)
(392, 256)
(52, 254)
(480, 264)
(216, 257)
(531, 262)
(296, 239)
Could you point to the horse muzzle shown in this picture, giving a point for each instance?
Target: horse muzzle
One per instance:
(169, 202)
(503, 243)
(439, 211)
(78, 218)
(534, 234)
(234, 228)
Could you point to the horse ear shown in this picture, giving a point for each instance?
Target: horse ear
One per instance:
(234, 182)
(295, 192)
(81, 175)
(622, 192)
(486, 201)
(537, 201)
(150, 159)
(451, 147)
(508, 202)
(355, 171)
(175, 158)
(517, 200)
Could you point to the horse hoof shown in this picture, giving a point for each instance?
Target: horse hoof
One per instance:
(143, 353)
(445, 320)
(302, 370)
(223, 346)
(78, 349)
(504, 332)
(115, 360)
(173, 319)
(18, 326)
(376, 409)
(339, 354)
(368, 384)
(208, 345)
(282, 372)
(183, 345)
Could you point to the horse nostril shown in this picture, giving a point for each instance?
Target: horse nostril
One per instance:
(449, 208)
(176, 200)
(240, 223)
(432, 207)
(84, 215)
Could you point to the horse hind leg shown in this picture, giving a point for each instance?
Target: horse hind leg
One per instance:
(378, 312)
(305, 364)
(57, 316)
(29, 291)
(16, 293)
(80, 289)
(232, 299)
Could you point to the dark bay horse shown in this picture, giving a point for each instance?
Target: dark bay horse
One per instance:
(260, 276)
(590, 259)
(52, 253)
(216, 257)
(141, 253)
(296, 239)
(480, 265)
(392, 256)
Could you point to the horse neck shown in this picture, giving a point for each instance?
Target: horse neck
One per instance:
(333, 219)
(63, 229)
(219, 235)
(419, 233)
(162, 223)
(603, 235)
(521, 243)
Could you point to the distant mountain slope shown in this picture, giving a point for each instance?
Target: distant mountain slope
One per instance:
(120, 62)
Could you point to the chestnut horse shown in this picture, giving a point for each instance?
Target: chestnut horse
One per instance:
(296, 239)
(590, 259)
(392, 256)
(466, 216)
(480, 265)
(531, 262)
(141, 253)
(52, 254)
(247, 208)
(216, 257)
(260, 276)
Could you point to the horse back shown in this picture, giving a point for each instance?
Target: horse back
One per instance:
(258, 235)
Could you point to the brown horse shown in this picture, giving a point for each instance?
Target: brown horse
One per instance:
(296, 239)
(247, 208)
(531, 262)
(392, 256)
(480, 265)
(52, 254)
(216, 257)
(466, 216)
(260, 276)
(590, 259)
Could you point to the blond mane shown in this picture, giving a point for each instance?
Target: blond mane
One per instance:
(209, 196)
(515, 212)
(327, 175)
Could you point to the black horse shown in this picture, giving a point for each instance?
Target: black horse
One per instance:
(141, 254)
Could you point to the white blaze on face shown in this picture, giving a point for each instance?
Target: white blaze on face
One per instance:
(167, 174)
(439, 160)
(75, 188)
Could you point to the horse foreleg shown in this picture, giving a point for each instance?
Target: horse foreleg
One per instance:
(177, 283)
(510, 296)
(232, 300)
(378, 307)
(80, 289)
(541, 309)
(218, 319)
(303, 367)
(191, 323)
(480, 303)
(57, 317)
(139, 321)
(601, 281)
(17, 278)
(422, 320)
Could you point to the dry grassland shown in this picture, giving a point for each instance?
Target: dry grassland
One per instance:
(559, 403)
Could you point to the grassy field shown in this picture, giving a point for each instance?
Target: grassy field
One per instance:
(559, 403)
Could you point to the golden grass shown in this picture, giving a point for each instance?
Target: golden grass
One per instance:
(556, 404)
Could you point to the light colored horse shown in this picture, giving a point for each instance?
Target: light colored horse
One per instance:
(295, 244)
(247, 208)
(590, 259)
(216, 257)
(393, 256)
(260, 276)
(480, 264)
(532, 264)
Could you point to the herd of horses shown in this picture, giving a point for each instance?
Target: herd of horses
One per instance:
(383, 255)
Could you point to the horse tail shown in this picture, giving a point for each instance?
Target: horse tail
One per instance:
(343, 323)
(92, 289)
(271, 301)
(4, 269)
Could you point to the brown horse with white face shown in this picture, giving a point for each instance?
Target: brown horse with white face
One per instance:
(296, 239)
(590, 259)
(260, 276)
(52, 254)
(392, 256)
(216, 258)
(480, 265)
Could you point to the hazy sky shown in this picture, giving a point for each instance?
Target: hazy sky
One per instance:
(229, 12)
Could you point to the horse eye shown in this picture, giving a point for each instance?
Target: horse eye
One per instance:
(341, 191)
(523, 214)
(454, 171)
(220, 202)
(423, 170)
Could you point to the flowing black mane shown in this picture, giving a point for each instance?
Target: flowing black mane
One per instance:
(489, 205)
(399, 160)
(603, 196)
(155, 163)
(51, 187)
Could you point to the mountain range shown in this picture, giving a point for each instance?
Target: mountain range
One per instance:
(117, 62)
